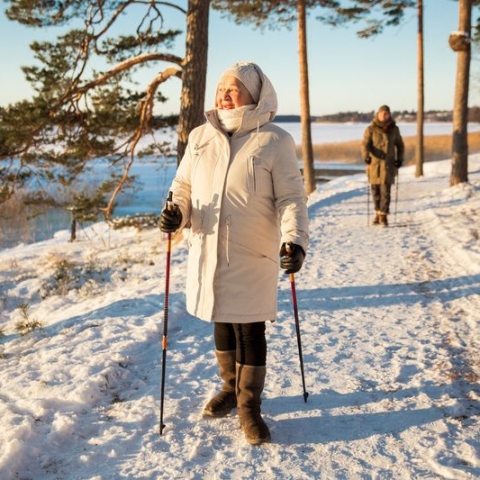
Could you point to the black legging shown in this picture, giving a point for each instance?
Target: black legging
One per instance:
(247, 339)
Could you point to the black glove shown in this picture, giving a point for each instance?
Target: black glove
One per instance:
(291, 258)
(397, 163)
(170, 219)
(368, 160)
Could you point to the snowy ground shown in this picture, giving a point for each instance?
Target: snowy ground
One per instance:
(390, 324)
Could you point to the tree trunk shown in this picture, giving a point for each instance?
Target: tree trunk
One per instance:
(419, 156)
(460, 42)
(307, 148)
(194, 73)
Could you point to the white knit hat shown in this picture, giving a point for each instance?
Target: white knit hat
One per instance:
(248, 74)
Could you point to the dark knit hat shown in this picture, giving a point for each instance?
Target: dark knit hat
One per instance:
(384, 108)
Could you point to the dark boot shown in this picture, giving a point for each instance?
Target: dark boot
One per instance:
(250, 383)
(226, 400)
(376, 219)
(383, 220)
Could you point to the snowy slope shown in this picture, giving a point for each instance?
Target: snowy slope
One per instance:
(390, 335)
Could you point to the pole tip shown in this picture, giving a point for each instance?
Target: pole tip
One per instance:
(305, 396)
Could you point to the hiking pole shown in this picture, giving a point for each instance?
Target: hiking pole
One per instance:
(368, 195)
(165, 315)
(297, 327)
(396, 194)
(368, 203)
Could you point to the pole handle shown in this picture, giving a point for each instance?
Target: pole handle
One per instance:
(169, 204)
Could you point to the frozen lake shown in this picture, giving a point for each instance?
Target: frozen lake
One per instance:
(154, 178)
(344, 132)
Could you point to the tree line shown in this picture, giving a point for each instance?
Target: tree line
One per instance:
(398, 115)
(87, 106)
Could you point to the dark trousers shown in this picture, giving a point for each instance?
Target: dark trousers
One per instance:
(381, 197)
(247, 339)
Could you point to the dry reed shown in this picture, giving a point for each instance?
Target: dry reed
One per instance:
(436, 147)
(13, 220)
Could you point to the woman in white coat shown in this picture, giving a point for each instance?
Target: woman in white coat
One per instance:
(239, 190)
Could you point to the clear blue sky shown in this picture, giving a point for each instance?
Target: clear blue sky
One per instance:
(346, 73)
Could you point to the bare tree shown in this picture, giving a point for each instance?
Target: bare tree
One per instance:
(307, 147)
(460, 42)
(419, 147)
(194, 72)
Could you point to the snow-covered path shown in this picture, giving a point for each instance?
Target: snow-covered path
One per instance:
(398, 313)
(390, 335)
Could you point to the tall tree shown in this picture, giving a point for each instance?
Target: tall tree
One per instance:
(419, 147)
(194, 74)
(87, 103)
(307, 146)
(460, 43)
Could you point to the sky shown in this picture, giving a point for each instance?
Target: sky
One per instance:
(345, 73)
(389, 322)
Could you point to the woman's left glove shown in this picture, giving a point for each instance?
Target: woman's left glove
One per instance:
(170, 219)
(291, 257)
(398, 163)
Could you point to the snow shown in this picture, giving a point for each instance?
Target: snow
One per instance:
(389, 323)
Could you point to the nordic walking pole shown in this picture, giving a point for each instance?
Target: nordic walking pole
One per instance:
(368, 198)
(297, 326)
(368, 203)
(396, 194)
(165, 316)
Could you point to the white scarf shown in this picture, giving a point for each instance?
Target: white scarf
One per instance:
(231, 120)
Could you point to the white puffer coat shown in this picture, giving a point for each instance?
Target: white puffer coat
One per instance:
(242, 197)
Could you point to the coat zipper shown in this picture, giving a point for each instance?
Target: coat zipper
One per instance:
(253, 176)
(227, 222)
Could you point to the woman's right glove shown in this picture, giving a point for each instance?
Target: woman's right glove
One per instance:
(291, 257)
(170, 219)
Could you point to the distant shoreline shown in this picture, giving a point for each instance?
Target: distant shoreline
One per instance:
(297, 119)
(399, 116)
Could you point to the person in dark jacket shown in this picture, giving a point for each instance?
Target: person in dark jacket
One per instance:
(240, 192)
(383, 153)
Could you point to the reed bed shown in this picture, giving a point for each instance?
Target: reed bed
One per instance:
(436, 147)
(13, 221)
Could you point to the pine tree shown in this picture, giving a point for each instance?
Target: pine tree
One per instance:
(460, 42)
(87, 103)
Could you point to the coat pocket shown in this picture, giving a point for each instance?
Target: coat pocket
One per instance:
(259, 178)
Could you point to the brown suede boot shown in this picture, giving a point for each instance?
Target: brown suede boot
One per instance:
(250, 383)
(383, 220)
(376, 219)
(226, 400)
